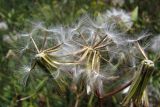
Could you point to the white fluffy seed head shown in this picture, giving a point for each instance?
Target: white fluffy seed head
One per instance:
(120, 18)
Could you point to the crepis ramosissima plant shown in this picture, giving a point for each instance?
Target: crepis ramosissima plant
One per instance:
(92, 53)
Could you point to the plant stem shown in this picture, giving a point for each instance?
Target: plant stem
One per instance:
(120, 88)
(100, 102)
(77, 101)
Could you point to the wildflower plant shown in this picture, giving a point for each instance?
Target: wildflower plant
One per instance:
(91, 54)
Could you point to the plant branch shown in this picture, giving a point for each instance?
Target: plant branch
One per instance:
(117, 90)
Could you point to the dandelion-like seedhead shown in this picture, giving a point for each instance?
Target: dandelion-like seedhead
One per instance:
(120, 18)
(90, 53)
(93, 45)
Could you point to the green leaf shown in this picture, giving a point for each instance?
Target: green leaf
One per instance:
(134, 14)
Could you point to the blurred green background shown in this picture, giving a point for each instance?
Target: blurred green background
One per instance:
(17, 16)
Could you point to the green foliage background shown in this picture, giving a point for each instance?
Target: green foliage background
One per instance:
(19, 16)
